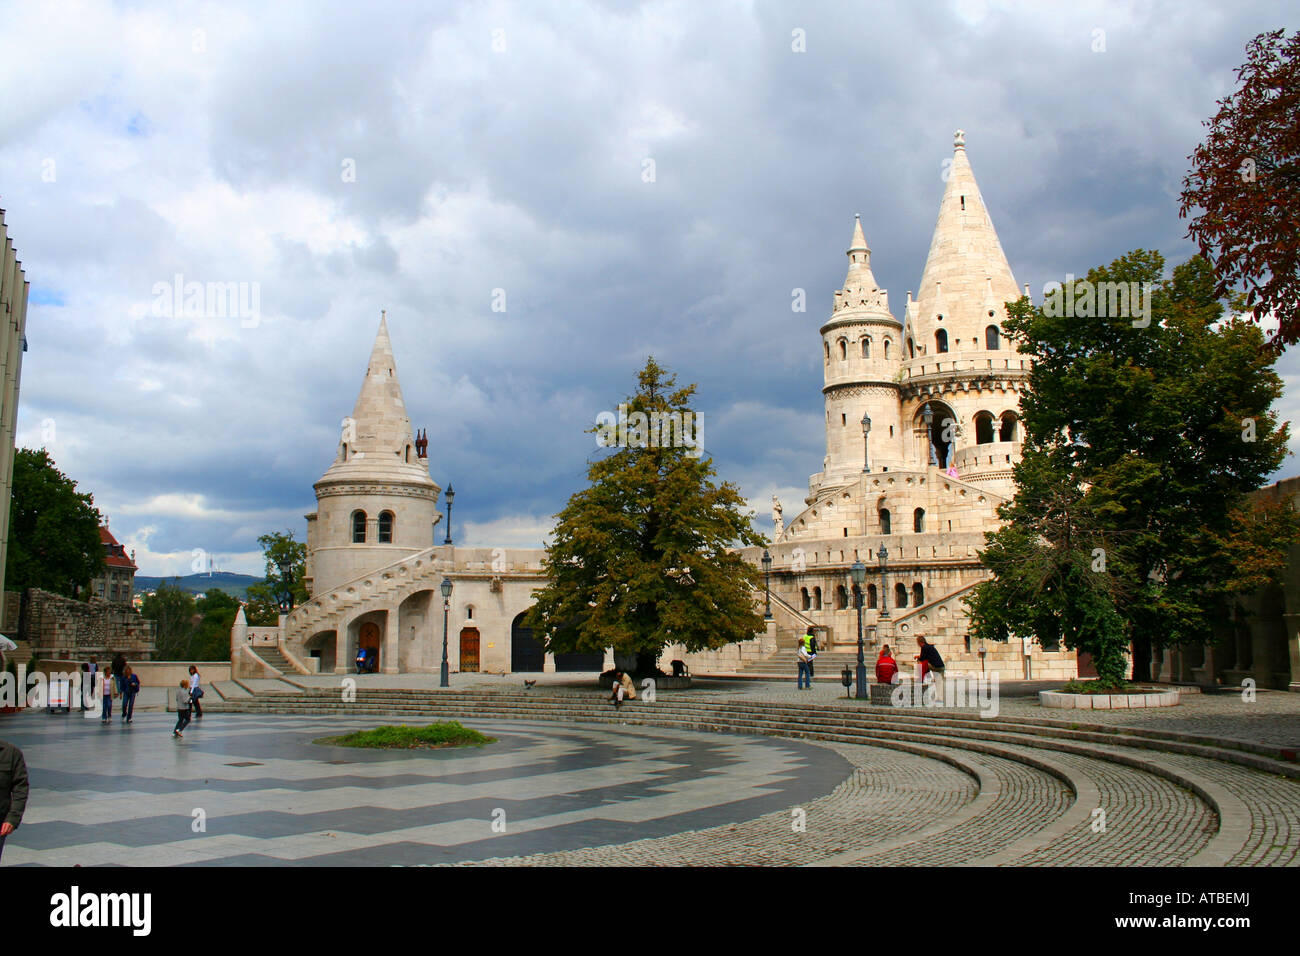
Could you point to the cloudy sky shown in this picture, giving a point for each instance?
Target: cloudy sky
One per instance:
(344, 158)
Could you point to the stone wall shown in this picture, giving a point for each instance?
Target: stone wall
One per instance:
(61, 628)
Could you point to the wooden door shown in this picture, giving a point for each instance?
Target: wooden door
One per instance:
(369, 637)
(469, 650)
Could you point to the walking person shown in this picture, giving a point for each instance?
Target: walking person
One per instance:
(118, 667)
(182, 708)
(13, 790)
(110, 691)
(930, 662)
(130, 687)
(196, 691)
(805, 666)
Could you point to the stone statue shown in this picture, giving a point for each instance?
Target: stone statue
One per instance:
(778, 516)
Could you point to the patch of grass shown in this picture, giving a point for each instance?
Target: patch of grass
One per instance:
(447, 733)
(1097, 687)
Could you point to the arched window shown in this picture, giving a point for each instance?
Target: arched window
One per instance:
(857, 596)
(806, 602)
(828, 351)
(900, 595)
(991, 338)
(844, 349)
(1007, 432)
(385, 527)
(941, 341)
(911, 348)
(983, 428)
(817, 599)
(918, 594)
(884, 521)
(866, 347)
(841, 598)
(871, 595)
(886, 349)
(358, 527)
(918, 520)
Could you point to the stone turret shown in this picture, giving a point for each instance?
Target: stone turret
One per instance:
(376, 503)
(958, 358)
(861, 353)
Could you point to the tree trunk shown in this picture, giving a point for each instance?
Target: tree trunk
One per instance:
(1141, 658)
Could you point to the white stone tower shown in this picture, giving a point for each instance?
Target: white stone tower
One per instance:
(861, 354)
(958, 359)
(376, 503)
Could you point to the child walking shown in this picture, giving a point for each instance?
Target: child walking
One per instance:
(182, 708)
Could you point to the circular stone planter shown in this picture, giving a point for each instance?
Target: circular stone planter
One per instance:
(1056, 699)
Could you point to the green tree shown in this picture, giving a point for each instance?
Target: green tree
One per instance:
(53, 529)
(211, 638)
(639, 559)
(175, 614)
(263, 607)
(1153, 428)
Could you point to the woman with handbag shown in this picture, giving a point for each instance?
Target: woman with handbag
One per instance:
(196, 692)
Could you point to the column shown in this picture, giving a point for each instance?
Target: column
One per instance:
(1292, 623)
(341, 647)
(389, 664)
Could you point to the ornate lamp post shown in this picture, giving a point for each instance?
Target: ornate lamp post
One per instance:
(445, 587)
(285, 565)
(928, 416)
(767, 586)
(882, 556)
(451, 493)
(866, 451)
(859, 572)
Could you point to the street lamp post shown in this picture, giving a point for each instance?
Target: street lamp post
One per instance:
(445, 587)
(883, 557)
(866, 450)
(451, 493)
(285, 565)
(859, 572)
(767, 585)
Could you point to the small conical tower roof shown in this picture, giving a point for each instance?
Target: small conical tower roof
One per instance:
(860, 292)
(966, 272)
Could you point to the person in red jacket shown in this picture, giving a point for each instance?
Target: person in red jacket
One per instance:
(886, 666)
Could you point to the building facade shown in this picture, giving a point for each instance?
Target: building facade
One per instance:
(14, 288)
(922, 432)
(116, 584)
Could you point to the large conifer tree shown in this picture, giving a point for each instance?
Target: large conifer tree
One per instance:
(639, 559)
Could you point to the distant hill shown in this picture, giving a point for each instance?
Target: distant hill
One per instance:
(235, 585)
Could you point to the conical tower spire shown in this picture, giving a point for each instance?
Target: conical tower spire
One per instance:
(860, 290)
(966, 268)
(379, 416)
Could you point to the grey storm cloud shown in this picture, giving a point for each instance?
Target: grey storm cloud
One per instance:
(351, 158)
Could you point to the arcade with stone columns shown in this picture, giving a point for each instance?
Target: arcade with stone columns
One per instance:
(939, 390)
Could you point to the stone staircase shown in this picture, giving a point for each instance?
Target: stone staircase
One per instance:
(273, 657)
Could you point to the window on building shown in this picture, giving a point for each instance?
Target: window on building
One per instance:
(1007, 431)
(918, 594)
(871, 596)
(991, 338)
(884, 521)
(805, 600)
(983, 428)
(817, 599)
(841, 598)
(844, 349)
(866, 348)
(857, 596)
(911, 348)
(941, 341)
(900, 595)
(358, 527)
(918, 520)
(886, 349)
(385, 527)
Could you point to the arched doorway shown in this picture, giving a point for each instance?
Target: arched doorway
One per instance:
(938, 446)
(369, 637)
(526, 652)
(469, 650)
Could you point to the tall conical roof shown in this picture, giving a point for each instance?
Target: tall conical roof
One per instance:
(966, 273)
(378, 437)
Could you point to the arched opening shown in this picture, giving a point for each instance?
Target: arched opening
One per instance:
(918, 520)
(991, 338)
(844, 349)
(841, 598)
(941, 341)
(983, 428)
(871, 596)
(805, 602)
(886, 349)
(526, 653)
(918, 594)
(385, 527)
(358, 527)
(942, 439)
(1007, 431)
(900, 595)
(866, 347)
(857, 596)
(828, 352)
(469, 646)
(884, 521)
(817, 599)
(369, 638)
